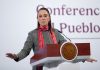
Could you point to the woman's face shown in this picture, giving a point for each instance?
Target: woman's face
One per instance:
(43, 17)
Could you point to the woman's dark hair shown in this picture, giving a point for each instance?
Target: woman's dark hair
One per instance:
(49, 23)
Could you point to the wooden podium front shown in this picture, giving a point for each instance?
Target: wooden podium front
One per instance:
(51, 53)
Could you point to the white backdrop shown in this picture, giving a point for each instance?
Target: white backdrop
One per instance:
(18, 17)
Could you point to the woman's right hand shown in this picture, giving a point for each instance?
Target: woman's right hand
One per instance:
(12, 56)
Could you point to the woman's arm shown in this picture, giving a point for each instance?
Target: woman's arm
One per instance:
(25, 51)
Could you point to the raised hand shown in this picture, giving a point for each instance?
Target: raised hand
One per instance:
(12, 56)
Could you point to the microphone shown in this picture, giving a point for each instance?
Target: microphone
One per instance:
(64, 36)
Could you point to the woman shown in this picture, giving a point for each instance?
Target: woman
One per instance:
(38, 38)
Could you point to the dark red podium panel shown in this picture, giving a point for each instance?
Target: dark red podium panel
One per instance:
(52, 51)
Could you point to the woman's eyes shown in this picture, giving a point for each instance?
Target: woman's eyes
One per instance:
(45, 15)
(40, 16)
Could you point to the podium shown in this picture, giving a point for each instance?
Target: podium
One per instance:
(52, 53)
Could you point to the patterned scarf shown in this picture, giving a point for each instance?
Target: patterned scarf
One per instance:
(40, 36)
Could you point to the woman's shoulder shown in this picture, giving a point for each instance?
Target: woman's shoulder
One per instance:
(33, 31)
(56, 30)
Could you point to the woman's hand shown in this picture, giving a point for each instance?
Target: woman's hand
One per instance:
(91, 60)
(12, 56)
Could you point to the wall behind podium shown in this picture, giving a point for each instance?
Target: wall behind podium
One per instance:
(79, 20)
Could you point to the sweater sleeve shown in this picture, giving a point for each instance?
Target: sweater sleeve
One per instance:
(60, 37)
(27, 47)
